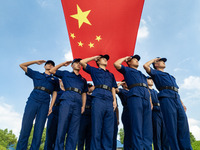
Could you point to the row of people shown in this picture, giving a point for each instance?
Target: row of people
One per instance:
(73, 102)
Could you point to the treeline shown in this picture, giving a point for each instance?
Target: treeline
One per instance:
(8, 140)
(195, 144)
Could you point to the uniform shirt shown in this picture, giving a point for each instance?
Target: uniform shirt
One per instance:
(41, 79)
(123, 96)
(133, 76)
(70, 79)
(162, 79)
(88, 103)
(100, 77)
(154, 98)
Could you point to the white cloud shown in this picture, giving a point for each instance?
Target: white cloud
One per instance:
(9, 118)
(191, 83)
(194, 127)
(143, 31)
(68, 55)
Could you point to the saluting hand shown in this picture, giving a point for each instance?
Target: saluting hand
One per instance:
(39, 62)
(96, 58)
(67, 63)
(127, 58)
(156, 59)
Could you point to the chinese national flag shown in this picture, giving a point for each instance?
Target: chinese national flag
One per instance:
(102, 27)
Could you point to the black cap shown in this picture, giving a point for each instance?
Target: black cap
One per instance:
(89, 85)
(50, 62)
(162, 59)
(107, 57)
(136, 56)
(76, 60)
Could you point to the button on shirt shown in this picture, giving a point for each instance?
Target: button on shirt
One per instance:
(154, 98)
(133, 76)
(41, 79)
(162, 79)
(70, 79)
(100, 77)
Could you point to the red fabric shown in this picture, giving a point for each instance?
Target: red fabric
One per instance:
(115, 21)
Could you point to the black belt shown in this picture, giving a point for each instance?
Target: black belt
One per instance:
(169, 88)
(138, 84)
(103, 86)
(156, 104)
(43, 89)
(73, 89)
(88, 107)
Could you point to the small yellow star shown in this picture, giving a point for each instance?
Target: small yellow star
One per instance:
(72, 35)
(81, 16)
(98, 38)
(80, 44)
(91, 45)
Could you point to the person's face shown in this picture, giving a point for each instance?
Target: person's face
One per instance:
(48, 66)
(134, 62)
(76, 66)
(160, 64)
(102, 61)
(150, 82)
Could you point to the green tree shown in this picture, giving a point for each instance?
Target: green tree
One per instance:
(192, 138)
(121, 135)
(196, 145)
(7, 139)
(42, 140)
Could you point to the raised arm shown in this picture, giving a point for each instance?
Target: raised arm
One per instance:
(54, 69)
(84, 62)
(147, 64)
(25, 65)
(118, 63)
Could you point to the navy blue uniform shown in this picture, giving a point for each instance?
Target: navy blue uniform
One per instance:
(102, 109)
(37, 108)
(160, 140)
(52, 124)
(174, 116)
(85, 126)
(115, 131)
(139, 109)
(69, 110)
(125, 119)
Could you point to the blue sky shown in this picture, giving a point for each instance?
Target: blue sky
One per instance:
(33, 30)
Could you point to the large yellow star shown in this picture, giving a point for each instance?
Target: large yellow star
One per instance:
(98, 38)
(80, 44)
(91, 45)
(81, 16)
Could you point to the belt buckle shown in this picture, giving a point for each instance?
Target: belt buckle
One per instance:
(158, 104)
(104, 86)
(42, 88)
(75, 89)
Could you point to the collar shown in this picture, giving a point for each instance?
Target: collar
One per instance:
(103, 69)
(46, 75)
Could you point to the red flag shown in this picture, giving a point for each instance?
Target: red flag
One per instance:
(102, 27)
